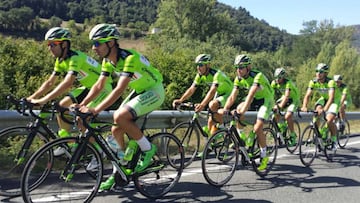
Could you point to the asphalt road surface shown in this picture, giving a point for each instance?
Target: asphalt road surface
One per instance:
(289, 182)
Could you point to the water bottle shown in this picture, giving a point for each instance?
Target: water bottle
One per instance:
(250, 139)
(130, 150)
(114, 146)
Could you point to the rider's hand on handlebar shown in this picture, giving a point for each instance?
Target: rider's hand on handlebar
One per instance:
(176, 102)
(199, 107)
(304, 109)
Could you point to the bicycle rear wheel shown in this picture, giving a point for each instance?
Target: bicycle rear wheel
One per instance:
(344, 134)
(308, 146)
(293, 148)
(11, 167)
(220, 158)
(188, 135)
(61, 184)
(271, 152)
(161, 176)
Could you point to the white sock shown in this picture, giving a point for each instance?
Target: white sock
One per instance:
(144, 144)
(263, 152)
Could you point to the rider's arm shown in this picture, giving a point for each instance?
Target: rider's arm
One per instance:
(188, 93)
(61, 88)
(95, 90)
(306, 99)
(45, 87)
(231, 99)
(114, 95)
(285, 98)
(210, 95)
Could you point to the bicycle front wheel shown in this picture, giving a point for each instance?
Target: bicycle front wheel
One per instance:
(66, 182)
(188, 135)
(13, 157)
(308, 146)
(344, 134)
(161, 176)
(220, 158)
(271, 152)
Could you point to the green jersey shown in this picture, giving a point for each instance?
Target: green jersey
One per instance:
(85, 68)
(132, 64)
(255, 78)
(287, 85)
(323, 88)
(343, 90)
(215, 77)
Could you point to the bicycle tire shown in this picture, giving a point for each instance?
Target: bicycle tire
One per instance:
(220, 158)
(271, 148)
(344, 135)
(189, 137)
(297, 131)
(57, 186)
(160, 177)
(11, 142)
(308, 146)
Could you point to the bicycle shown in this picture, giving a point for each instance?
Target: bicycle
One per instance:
(222, 151)
(188, 133)
(283, 132)
(343, 129)
(68, 182)
(312, 141)
(18, 143)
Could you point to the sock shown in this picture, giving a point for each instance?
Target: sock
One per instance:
(144, 144)
(263, 152)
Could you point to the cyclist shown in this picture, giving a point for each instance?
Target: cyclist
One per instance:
(345, 96)
(220, 89)
(130, 69)
(289, 99)
(328, 101)
(259, 93)
(75, 66)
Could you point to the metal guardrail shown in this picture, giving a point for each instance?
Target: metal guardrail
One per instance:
(163, 119)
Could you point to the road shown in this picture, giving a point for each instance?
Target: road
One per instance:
(290, 181)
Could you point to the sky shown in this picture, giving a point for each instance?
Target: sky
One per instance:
(290, 15)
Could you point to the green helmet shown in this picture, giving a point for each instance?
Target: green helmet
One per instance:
(203, 58)
(337, 78)
(322, 67)
(104, 32)
(58, 34)
(242, 59)
(279, 73)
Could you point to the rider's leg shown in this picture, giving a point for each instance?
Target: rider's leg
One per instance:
(214, 106)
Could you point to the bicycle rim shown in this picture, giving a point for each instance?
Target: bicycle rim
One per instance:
(344, 135)
(11, 142)
(59, 185)
(188, 135)
(297, 131)
(220, 158)
(271, 152)
(308, 146)
(161, 176)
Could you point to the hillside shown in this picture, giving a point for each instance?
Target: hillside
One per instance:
(23, 19)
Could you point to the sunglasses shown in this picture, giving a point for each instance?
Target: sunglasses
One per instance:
(240, 66)
(320, 71)
(54, 43)
(97, 43)
(200, 64)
